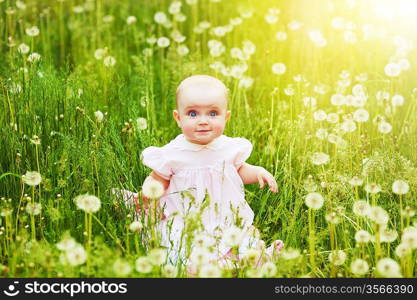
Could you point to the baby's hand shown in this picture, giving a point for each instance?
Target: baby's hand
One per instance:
(264, 176)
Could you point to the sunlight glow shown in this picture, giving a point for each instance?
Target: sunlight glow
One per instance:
(388, 9)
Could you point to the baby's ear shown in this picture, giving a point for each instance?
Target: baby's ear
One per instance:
(228, 113)
(176, 117)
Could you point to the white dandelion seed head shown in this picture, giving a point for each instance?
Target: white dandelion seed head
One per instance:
(402, 250)
(384, 127)
(141, 123)
(245, 82)
(121, 268)
(135, 226)
(35, 140)
(152, 188)
(279, 68)
(295, 25)
(388, 267)
(200, 256)
(78, 9)
(337, 100)
(88, 203)
(281, 35)
(169, 271)
(160, 17)
(372, 188)
(219, 31)
(314, 200)
(358, 101)
(151, 40)
(23, 48)
(319, 115)
(356, 181)
(66, 243)
(409, 237)
(362, 77)
(32, 31)
(236, 21)
(177, 36)
(100, 53)
(378, 215)
(361, 208)
(332, 218)
(397, 100)
(289, 90)
(337, 257)
(322, 133)
(320, 158)
(109, 61)
(99, 116)
(143, 265)
(271, 18)
(76, 256)
(157, 256)
(210, 271)
(392, 70)
(32, 178)
(290, 253)
(387, 236)
(33, 208)
(232, 236)
(332, 118)
(249, 48)
(310, 102)
(252, 255)
(348, 126)
(131, 20)
(175, 7)
(182, 50)
(400, 187)
(180, 17)
(361, 115)
(268, 269)
(362, 236)
(359, 267)
(203, 241)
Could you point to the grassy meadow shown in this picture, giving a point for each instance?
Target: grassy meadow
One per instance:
(325, 91)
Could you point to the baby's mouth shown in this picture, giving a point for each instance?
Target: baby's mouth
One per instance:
(203, 130)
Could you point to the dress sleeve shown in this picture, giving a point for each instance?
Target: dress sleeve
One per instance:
(244, 149)
(154, 158)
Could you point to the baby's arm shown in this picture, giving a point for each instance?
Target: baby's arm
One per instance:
(252, 174)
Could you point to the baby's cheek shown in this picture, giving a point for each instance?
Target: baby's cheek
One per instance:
(187, 128)
(218, 127)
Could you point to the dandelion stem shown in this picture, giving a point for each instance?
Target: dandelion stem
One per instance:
(377, 243)
(312, 239)
(106, 231)
(32, 217)
(401, 213)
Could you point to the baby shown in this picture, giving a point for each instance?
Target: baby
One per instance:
(203, 161)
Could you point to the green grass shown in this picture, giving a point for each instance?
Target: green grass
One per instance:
(78, 154)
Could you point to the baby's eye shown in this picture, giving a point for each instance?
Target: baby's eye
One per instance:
(213, 113)
(192, 113)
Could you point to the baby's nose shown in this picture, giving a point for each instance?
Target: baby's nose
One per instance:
(203, 120)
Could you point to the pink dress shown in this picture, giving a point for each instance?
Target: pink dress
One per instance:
(201, 169)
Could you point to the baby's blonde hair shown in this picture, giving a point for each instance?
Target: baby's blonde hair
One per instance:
(198, 79)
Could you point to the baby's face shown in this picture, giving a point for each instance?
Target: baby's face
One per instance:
(202, 112)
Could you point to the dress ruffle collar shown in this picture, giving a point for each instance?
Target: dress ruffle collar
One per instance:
(182, 143)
